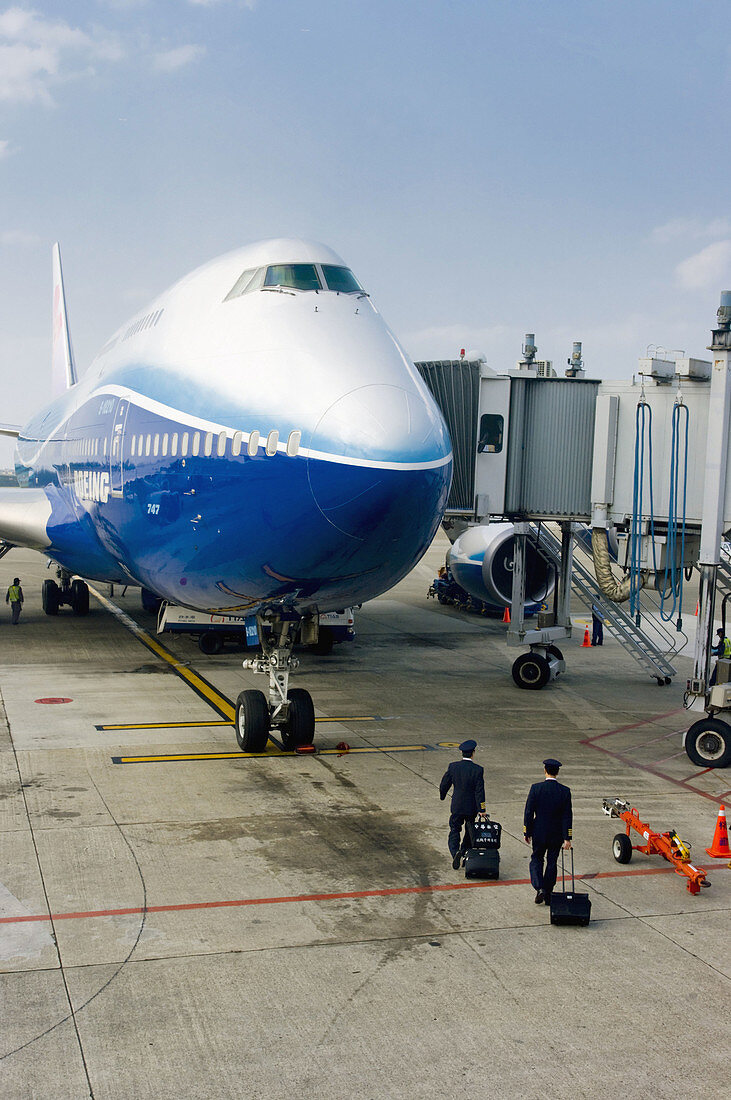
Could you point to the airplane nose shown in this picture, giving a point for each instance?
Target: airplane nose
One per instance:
(377, 458)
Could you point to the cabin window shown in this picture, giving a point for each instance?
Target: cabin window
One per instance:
(132, 443)
(221, 444)
(148, 444)
(208, 444)
(156, 445)
(341, 279)
(140, 443)
(165, 444)
(174, 444)
(491, 434)
(253, 444)
(196, 448)
(272, 442)
(236, 442)
(184, 445)
(293, 443)
(294, 276)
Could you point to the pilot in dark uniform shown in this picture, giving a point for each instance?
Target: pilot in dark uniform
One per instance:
(547, 825)
(468, 799)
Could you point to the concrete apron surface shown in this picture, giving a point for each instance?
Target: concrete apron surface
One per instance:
(290, 926)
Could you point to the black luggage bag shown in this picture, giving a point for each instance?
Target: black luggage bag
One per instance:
(482, 863)
(568, 907)
(486, 833)
(483, 858)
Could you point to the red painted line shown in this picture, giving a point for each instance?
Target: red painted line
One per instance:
(660, 775)
(654, 740)
(632, 726)
(674, 756)
(394, 891)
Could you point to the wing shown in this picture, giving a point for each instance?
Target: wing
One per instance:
(24, 514)
(9, 429)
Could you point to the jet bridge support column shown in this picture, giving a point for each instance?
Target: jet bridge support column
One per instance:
(544, 661)
(708, 741)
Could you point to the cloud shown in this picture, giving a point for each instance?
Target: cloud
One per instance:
(168, 61)
(711, 266)
(17, 237)
(446, 341)
(36, 52)
(5, 149)
(691, 229)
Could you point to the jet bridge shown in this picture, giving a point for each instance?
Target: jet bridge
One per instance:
(646, 459)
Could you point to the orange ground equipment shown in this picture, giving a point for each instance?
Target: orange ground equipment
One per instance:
(506, 615)
(719, 844)
(586, 644)
(668, 845)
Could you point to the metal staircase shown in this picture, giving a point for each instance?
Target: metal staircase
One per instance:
(651, 644)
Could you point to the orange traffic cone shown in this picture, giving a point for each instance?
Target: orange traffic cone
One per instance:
(506, 615)
(719, 845)
(696, 607)
(587, 640)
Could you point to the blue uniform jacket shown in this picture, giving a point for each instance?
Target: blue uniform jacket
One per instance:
(468, 780)
(548, 816)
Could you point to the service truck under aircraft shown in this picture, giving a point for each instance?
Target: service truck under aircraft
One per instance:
(255, 440)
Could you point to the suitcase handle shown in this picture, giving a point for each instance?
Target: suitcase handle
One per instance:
(563, 870)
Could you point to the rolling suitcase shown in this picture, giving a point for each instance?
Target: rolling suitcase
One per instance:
(483, 858)
(482, 863)
(568, 907)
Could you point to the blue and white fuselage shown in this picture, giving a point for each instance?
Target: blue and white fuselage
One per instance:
(256, 437)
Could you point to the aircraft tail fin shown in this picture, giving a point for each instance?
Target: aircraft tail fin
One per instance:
(64, 367)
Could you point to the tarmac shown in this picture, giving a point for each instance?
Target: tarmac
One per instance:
(178, 919)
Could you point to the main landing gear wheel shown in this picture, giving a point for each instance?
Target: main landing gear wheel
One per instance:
(622, 848)
(531, 671)
(252, 721)
(49, 596)
(708, 743)
(299, 729)
(79, 598)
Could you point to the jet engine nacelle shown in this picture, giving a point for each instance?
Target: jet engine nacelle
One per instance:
(481, 561)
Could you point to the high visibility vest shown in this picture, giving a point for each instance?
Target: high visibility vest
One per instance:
(727, 647)
(14, 597)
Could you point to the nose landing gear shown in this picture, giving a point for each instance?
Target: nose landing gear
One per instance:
(289, 710)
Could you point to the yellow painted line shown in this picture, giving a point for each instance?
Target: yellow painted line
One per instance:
(171, 758)
(163, 725)
(211, 695)
(205, 725)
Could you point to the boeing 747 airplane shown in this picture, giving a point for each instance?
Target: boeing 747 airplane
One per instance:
(254, 440)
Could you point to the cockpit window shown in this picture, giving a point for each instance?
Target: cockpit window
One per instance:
(241, 284)
(341, 279)
(295, 276)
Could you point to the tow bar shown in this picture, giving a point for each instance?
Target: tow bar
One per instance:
(668, 845)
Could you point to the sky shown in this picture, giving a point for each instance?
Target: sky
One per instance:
(487, 167)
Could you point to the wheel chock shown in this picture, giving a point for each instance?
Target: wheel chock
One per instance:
(305, 750)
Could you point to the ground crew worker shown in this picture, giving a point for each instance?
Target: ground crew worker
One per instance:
(14, 596)
(597, 625)
(546, 825)
(468, 799)
(722, 648)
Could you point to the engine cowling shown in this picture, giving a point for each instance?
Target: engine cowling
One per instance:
(481, 561)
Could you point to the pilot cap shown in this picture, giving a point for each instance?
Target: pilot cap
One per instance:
(551, 763)
(468, 746)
